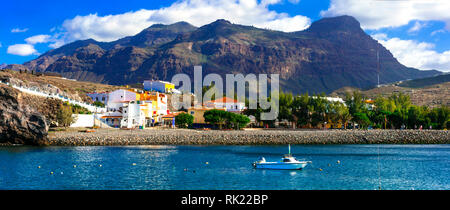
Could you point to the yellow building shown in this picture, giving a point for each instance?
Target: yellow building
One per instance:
(160, 86)
(158, 102)
(169, 87)
(198, 114)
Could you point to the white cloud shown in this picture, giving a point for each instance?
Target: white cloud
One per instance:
(417, 27)
(1, 44)
(196, 12)
(22, 50)
(437, 32)
(376, 14)
(380, 36)
(43, 38)
(420, 55)
(18, 30)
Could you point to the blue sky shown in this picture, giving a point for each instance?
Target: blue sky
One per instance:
(417, 33)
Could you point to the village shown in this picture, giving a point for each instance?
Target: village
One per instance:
(133, 108)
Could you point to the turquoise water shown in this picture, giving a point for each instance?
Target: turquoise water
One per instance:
(229, 167)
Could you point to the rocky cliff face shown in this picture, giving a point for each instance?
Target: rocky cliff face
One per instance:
(19, 123)
(331, 54)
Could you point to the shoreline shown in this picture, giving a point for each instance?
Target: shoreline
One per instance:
(116, 137)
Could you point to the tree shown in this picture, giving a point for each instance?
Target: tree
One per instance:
(207, 88)
(99, 104)
(302, 109)
(362, 119)
(440, 117)
(215, 117)
(64, 116)
(285, 111)
(321, 105)
(220, 118)
(184, 120)
(355, 103)
(338, 114)
(416, 116)
(238, 120)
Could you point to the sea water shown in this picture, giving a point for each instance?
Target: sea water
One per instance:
(342, 167)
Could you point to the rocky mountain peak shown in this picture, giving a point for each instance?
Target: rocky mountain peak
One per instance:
(343, 23)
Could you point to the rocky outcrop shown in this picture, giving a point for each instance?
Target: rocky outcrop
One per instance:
(19, 123)
(17, 67)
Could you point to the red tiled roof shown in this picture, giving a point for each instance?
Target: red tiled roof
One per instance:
(104, 117)
(223, 100)
(172, 115)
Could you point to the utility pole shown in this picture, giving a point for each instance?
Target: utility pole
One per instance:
(378, 65)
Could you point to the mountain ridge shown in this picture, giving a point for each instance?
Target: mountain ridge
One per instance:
(330, 54)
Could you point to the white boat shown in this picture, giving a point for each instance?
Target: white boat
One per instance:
(288, 162)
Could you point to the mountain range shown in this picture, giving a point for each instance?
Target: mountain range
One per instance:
(332, 53)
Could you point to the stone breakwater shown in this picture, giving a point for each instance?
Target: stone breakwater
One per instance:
(250, 137)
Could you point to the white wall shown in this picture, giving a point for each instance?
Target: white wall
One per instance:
(102, 97)
(121, 95)
(133, 116)
(83, 121)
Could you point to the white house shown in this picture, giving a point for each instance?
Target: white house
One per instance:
(136, 114)
(162, 104)
(131, 109)
(101, 97)
(132, 116)
(118, 98)
(231, 105)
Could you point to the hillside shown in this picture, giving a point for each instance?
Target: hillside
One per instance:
(73, 89)
(331, 54)
(432, 96)
(418, 83)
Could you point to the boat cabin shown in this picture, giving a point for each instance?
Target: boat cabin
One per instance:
(288, 159)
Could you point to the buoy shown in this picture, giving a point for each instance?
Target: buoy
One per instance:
(329, 164)
(62, 173)
(338, 162)
(39, 166)
(51, 172)
(320, 169)
(134, 164)
(207, 163)
(185, 169)
(74, 166)
(100, 165)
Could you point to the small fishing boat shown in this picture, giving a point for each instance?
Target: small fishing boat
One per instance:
(288, 162)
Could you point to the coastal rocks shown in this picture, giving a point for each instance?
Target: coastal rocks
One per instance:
(19, 123)
(104, 137)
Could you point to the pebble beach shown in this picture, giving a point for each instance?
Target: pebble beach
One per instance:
(118, 137)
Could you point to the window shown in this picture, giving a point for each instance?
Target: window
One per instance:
(286, 160)
(192, 112)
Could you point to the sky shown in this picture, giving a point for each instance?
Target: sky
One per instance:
(415, 31)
